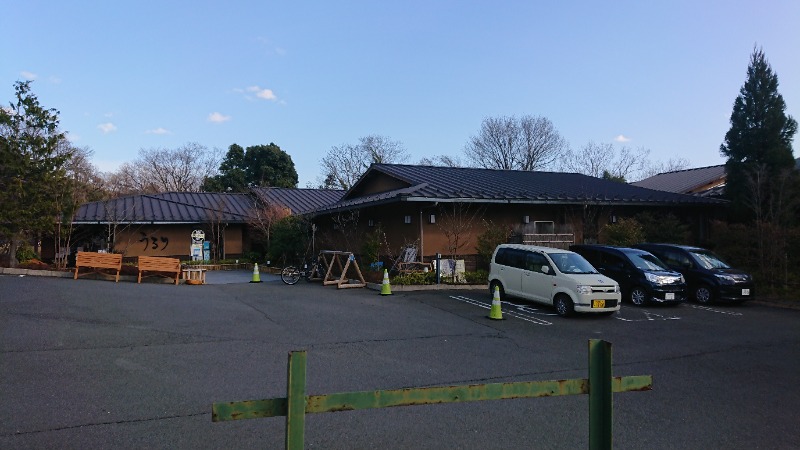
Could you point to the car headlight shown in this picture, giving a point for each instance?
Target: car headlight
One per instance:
(655, 279)
(583, 289)
(616, 288)
(683, 280)
(725, 279)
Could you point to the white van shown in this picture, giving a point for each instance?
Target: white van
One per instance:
(553, 276)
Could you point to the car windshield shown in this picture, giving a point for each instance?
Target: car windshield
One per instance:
(708, 260)
(646, 261)
(571, 263)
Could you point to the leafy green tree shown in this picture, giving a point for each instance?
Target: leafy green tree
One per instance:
(268, 165)
(290, 240)
(667, 227)
(758, 146)
(32, 169)
(257, 166)
(232, 175)
(625, 232)
(618, 178)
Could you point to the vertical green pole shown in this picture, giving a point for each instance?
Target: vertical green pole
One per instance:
(600, 401)
(296, 401)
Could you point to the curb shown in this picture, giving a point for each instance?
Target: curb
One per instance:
(428, 287)
(71, 274)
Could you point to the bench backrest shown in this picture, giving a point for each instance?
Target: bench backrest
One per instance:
(99, 260)
(159, 264)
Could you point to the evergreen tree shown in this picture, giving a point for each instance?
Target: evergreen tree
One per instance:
(759, 146)
(258, 166)
(231, 173)
(32, 169)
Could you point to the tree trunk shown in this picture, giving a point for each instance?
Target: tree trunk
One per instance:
(12, 257)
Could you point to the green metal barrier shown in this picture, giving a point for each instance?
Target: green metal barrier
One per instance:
(600, 385)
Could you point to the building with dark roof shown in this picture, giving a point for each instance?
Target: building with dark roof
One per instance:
(444, 209)
(702, 181)
(162, 224)
(435, 209)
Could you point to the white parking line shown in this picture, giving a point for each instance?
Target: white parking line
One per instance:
(523, 312)
(648, 316)
(706, 308)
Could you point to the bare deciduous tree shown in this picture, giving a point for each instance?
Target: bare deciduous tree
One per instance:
(82, 184)
(600, 160)
(442, 160)
(525, 143)
(343, 165)
(264, 218)
(162, 169)
(671, 165)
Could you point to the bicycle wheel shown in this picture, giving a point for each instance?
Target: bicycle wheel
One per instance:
(290, 275)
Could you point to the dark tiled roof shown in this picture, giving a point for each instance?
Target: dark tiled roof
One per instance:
(169, 207)
(300, 201)
(684, 181)
(507, 186)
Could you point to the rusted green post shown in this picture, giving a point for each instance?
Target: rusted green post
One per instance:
(600, 392)
(296, 401)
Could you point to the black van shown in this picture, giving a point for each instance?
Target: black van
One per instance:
(642, 277)
(709, 278)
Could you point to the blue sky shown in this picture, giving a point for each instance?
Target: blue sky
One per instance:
(312, 75)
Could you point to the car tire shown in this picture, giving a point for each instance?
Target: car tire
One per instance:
(703, 294)
(638, 296)
(563, 305)
(497, 284)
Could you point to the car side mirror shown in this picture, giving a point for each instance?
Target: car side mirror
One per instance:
(546, 269)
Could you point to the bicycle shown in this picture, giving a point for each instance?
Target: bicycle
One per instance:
(291, 274)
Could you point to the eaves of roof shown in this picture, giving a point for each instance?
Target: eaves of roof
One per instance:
(469, 185)
(167, 208)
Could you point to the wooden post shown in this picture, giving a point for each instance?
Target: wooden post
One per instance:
(600, 393)
(296, 401)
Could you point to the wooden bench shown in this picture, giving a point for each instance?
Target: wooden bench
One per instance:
(161, 265)
(98, 262)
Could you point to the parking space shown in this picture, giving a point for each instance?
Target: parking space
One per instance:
(544, 315)
(528, 313)
(97, 364)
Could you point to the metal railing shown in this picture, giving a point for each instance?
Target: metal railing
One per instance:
(599, 386)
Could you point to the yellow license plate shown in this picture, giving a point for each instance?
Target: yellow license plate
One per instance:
(598, 303)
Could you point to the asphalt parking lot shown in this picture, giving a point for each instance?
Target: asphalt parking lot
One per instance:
(97, 364)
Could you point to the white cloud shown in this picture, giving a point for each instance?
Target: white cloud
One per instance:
(73, 137)
(54, 79)
(107, 127)
(622, 138)
(265, 94)
(216, 117)
(28, 75)
(158, 130)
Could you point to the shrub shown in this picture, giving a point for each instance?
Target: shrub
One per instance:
(371, 246)
(625, 232)
(477, 277)
(493, 236)
(663, 228)
(25, 252)
(415, 278)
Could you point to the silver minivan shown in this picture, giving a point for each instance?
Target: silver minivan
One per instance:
(552, 276)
